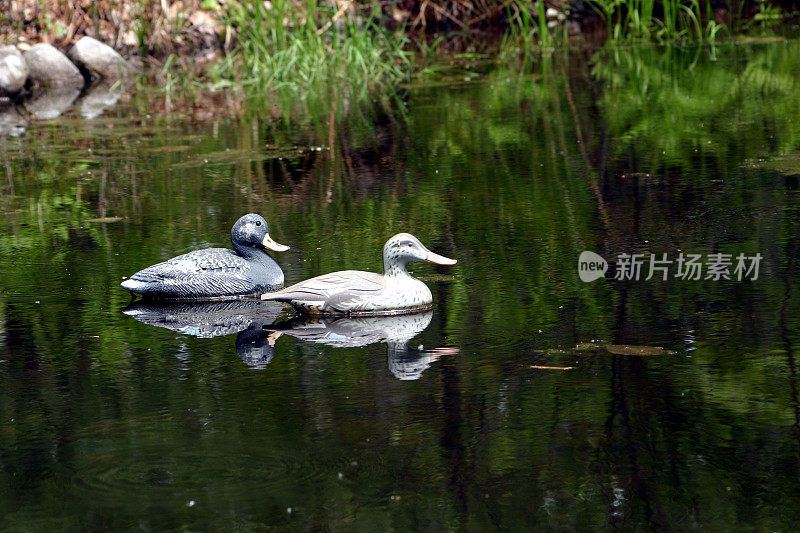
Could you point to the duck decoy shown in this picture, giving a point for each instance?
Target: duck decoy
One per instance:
(247, 270)
(353, 292)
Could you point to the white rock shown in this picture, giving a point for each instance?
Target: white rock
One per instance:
(98, 58)
(13, 70)
(49, 67)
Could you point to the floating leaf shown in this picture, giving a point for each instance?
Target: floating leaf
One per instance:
(176, 148)
(623, 349)
(589, 347)
(104, 219)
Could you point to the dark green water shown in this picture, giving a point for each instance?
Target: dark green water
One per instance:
(107, 422)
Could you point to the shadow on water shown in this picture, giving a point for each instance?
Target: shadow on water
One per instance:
(640, 150)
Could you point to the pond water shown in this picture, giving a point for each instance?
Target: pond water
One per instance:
(527, 399)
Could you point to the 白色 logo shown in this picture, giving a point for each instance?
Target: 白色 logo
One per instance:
(591, 266)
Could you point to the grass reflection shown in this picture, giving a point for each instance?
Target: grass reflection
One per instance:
(709, 111)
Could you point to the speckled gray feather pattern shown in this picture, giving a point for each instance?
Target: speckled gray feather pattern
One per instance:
(215, 272)
(202, 272)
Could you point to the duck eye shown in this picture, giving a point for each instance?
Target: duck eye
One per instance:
(258, 222)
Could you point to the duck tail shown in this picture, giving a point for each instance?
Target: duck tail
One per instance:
(133, 285)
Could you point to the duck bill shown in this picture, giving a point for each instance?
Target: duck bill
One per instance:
(439, 259)
(273, 337)
(269, 244)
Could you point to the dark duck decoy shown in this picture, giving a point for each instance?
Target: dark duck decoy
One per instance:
(247, 270)
(353, 292)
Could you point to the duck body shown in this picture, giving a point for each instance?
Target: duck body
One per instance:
(354, 292)
(247, 270)
(211, 272)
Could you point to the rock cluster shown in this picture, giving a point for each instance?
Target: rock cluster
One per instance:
(44, 66)
(48, 67)
(44, 83)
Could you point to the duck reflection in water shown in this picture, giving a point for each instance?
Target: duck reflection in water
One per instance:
(253, 322)
(247, 318)
(404, 362)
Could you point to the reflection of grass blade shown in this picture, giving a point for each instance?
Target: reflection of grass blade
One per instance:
(656, 80)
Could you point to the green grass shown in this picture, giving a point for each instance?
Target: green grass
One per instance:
(527, 29)
(304, 52)
(306, 58)
(625, 20)
(664, 21)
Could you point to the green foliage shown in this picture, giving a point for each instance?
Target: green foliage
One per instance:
(768, 17)
(311, 55)
(703, 104)
(527, 31)
(680, 20)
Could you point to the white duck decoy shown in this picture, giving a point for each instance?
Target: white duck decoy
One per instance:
(353, 292)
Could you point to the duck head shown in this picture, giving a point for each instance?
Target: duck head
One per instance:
(404, 248)
(251, 231)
